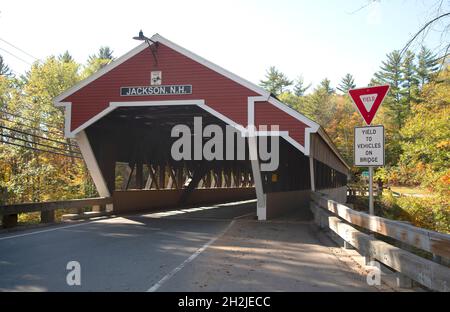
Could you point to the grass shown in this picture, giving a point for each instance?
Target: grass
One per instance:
(429, 212)
(408, 190)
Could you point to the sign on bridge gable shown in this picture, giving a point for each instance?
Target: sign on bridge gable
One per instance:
(369, 146)
(368, 100)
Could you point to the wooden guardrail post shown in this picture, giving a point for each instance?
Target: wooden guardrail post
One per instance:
(403, 281)
(47, 209)
(48, 216)
(99, 208)
(9, 220)
(411, 267)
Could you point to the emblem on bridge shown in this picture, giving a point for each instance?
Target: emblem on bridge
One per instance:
(156, 78)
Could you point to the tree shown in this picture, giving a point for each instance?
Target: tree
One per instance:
(320, 105)
(347, 83)
(105, 53)
(341, 126)
(4, 69)
(275, 81)
(426, 138)
(300, 87)
(391, 73)
(66, 57)
(325, 85)
(34, 175)
(293, 101)
(98, 61)
(427, 65)
(410, 82)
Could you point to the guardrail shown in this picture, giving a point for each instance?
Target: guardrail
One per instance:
(361, 191)
(340, 219)
(9, 212)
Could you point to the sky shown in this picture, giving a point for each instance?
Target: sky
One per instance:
(315, 39)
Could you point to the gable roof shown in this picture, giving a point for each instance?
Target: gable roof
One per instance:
(314, 127)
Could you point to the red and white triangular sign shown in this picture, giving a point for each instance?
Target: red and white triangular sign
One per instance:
(368, 100)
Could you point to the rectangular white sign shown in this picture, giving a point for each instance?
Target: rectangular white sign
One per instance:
(369, 146)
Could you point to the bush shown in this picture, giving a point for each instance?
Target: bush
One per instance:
(431, 212)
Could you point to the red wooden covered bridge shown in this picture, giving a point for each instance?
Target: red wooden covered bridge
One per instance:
(123, 118)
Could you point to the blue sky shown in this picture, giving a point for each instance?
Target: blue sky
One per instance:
(316, 39)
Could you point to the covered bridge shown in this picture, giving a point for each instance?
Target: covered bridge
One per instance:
(124, 116)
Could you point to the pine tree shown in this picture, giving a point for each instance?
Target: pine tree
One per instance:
(391, 73)
(98, 61)
(325, 85)
(427, 65)
(299, 87)
(4, 69)
(320, 105)
(347, 83)
(410, 82)
(66, 57)
(275, 81)
(105, 53)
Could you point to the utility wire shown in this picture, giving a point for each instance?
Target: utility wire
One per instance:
(40, 150)
(33, 135)
(32, 120)
(17, 57)
(37, 143)
(36, 129)
(17, 48)
(29, 127)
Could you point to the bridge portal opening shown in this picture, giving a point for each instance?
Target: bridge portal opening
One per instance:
(133, 148)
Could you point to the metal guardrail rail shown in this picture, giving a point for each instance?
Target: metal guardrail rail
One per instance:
(340, 219)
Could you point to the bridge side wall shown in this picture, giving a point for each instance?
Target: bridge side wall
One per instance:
(141, 200)
(297, 202)
(337, 194)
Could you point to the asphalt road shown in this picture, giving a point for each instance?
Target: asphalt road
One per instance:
(216, 248)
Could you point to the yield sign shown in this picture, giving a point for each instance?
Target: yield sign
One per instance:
(368, 100)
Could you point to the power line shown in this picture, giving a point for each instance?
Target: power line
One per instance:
(34, 135)
(39, 150)
(17, 57)
(37, 143)
(36, 129)
(32, 120)
(17, 48)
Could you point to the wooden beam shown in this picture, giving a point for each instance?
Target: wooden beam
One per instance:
(139, 175)
(125, 180)
(162, 176)
(172, 177)
(423, 271)
(431, 241)
(47, 206)
(132, 165)
(152, 179)
(92, 164)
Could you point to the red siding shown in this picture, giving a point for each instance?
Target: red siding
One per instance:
(267, 114)
(219, 92)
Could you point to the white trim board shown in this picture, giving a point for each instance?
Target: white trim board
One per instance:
(92, 164)
(265, 96)
(100, 73)
(200, 103)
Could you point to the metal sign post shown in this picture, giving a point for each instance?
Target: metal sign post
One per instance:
(371, 209)
(369, 152)
(369, 141)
